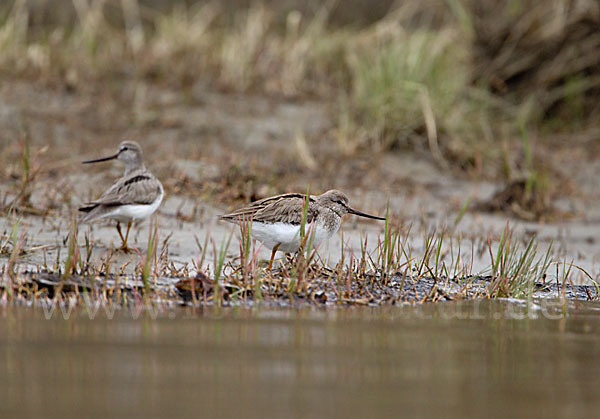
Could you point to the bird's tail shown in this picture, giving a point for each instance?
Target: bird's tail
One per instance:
(91, 210)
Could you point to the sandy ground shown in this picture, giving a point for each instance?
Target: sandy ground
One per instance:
(189, 140)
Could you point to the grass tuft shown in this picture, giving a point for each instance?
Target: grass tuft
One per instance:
(150, 257)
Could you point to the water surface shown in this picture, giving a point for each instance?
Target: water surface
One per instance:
(484, 359)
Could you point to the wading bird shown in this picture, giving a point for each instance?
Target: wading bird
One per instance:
(276, 221)
(135, 196)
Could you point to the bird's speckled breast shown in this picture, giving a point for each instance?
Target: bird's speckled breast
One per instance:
(330, 221)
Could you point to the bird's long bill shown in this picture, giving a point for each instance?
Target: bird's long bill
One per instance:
(114, 156)
(362, 214)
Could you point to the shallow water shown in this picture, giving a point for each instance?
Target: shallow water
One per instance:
(496, 359)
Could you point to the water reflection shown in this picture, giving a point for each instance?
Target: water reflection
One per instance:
(347, 362)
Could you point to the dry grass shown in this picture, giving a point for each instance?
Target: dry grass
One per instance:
(461, 79)
(522, 47)
(434, 49)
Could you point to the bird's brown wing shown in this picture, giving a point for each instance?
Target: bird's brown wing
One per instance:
(141, 188)
(287, 208)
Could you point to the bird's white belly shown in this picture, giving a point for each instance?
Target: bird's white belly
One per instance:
(287, 235)
(133, 212)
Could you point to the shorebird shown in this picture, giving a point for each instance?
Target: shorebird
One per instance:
(276, 221)
(136, 195)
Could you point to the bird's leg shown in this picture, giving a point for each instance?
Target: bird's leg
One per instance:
(273, 256)
(119, 230)
(124, 247)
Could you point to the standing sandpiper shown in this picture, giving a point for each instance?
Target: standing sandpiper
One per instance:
(133, 197)
(276, 220)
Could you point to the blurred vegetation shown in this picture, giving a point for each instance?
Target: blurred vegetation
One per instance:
(462, 79)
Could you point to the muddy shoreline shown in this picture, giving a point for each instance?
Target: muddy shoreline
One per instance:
(273, 291)
(221, 151)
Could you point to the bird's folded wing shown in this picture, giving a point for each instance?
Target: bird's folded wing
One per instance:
(286, 208)
(139, 189)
